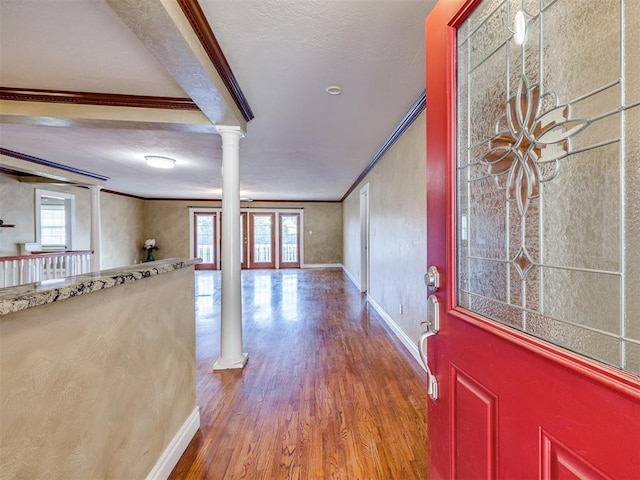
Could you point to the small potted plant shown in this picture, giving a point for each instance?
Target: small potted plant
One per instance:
(150, 246)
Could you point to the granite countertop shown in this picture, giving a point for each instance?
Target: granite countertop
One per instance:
(21, 297)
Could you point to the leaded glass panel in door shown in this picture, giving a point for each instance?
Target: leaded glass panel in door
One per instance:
(548, 162)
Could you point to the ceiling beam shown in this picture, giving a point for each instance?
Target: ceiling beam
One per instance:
(163, 28)
(75, 114)
(200, 25)
(89, 98)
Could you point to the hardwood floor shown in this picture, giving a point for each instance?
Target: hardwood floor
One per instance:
(328, 392)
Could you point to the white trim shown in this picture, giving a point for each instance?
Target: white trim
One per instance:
(215, 210)
(276, 247)
(404, 338)
(169, 458)
(322, 265)
(301, 238)
(220, 365)
(70, 214)
(192, 253)
(351, 277)
(271, 210)
(365, 244)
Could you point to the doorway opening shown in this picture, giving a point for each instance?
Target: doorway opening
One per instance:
(364, 239)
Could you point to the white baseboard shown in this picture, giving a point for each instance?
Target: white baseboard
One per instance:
(351, 277)
(169, 458)
(404, 338)
(322, 265)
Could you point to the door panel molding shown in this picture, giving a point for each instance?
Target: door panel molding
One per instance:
(559, 461)
(474, 430)
(610, 377)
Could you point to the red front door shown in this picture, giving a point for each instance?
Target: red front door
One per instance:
(530, 224)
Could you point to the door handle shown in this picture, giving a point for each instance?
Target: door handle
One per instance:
(433, 326)
(432, 382)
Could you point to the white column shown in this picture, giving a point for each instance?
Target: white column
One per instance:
(96, 232)
(231, 355)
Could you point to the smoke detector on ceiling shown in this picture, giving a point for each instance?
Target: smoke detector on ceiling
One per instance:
(334, 89)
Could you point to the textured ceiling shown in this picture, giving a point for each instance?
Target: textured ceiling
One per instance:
(303, 144)
(76, 45)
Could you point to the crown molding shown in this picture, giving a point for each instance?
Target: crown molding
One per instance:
(416, 109)
(202, 29)
(121, 194)
(48, 163)
(89, 98)
(243, 202)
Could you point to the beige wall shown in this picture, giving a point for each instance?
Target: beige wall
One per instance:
(96, 386)
(122, 221)
(127, 222)
(397, 212)
(17, 206)
(168, 222)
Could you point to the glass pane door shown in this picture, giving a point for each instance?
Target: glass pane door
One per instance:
(289, 240)
(262, 240)
(244, 238)
(548, 168)
(205, 240)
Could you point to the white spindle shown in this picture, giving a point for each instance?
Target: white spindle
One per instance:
(46, 273)
(36, 267)
(58, 270)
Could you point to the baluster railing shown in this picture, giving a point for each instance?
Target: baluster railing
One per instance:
(40, 266)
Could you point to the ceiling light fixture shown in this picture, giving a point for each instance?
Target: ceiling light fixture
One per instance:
(334, 89)
(160, 162)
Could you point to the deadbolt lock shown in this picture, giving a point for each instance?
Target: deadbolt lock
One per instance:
(432, 279)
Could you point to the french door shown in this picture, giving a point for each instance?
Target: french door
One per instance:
(533, 162)
(289, 240)
(244, 235)
(262, 240)
(205, 239)
(269, 239)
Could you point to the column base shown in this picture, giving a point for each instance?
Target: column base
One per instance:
(221, 365)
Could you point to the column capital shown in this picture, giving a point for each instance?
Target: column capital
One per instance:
(95, 188)
(230, 129)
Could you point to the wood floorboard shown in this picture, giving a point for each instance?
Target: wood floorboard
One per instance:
(328, 391)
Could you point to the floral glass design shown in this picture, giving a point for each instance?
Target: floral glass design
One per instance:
(547, 171)
(531, 137)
